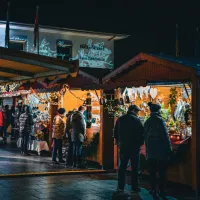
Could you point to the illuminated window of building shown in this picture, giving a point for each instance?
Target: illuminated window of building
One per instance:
(17, 45)
(18, 42)
(64, 49)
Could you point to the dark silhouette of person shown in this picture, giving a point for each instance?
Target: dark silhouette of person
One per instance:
(129, 135)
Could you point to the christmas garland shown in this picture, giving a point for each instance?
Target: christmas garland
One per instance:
(173, 96)
(90, 148)
(117, 111)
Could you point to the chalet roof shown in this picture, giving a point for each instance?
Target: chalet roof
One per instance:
(146, 69)
(190, 62)
(81, 81)
(19, 66)
(160, 60)
(58, 30)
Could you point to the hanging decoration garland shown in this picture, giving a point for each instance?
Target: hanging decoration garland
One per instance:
(81, 99)
(173, 96)
(9, 87)
(45, 98)
(91, 147)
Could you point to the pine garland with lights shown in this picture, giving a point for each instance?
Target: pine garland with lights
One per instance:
(90, 148)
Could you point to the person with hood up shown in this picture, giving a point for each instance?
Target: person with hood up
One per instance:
(25, 128)
(158, 148)
(129, 135)
(78, 135)
(59, 127)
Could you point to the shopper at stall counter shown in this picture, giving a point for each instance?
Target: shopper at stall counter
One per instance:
(78, 135)
(129, 135)
(59, 127)
(25, 128)
(158, 148)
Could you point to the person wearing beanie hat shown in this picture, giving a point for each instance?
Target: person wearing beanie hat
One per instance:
(154, 107)
(158, 148)
(61, 111)
(58, 133)
(129, 135)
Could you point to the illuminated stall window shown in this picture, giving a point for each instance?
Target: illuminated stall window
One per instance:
(64, 49)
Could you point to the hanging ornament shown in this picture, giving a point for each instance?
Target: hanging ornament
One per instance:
(134, 90)
(146, 91)
(153, 92)
(140, 91)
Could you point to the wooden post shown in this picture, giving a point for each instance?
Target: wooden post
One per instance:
(198, 140)
(117, 96)
(107, 139)
(194, 125)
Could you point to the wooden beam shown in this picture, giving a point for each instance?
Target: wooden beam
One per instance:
(39, 75)
(4, 79)
(14, 71)
(68, 68)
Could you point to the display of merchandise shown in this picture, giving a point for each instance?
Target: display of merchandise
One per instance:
(180, 110)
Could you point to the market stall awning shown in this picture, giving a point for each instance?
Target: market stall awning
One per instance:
(18, 66)
(83, 81)
(146, 69)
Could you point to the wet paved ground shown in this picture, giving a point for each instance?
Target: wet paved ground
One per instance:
(74, 187)
(12, 162)
(68, 187)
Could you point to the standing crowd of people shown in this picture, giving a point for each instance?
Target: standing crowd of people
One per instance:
(9, 117)
(129, 132)
(74, 129)
(130, 135)
(20, 121)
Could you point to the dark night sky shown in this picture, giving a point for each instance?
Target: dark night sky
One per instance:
(151, 24)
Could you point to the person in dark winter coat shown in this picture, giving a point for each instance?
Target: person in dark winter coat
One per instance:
(25, 128)
(78, 135)
(129, 135)
(68, 135)
(158, 147)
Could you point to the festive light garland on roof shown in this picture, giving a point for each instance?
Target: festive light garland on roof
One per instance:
(9, 87)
